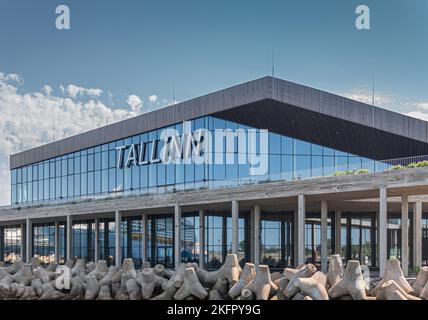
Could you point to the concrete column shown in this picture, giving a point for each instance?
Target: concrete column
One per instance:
(202, 238)
(382, 230)
(118, 245)
(337, 232)
(28, 240)
(177, 236)
(252, 235)
(300, 229)
(144, 237)
(257, 235)
(23, 243)
(417, 234)
(324, 251)
(405, 234)
(97, 240)
(57, 241)
(235, 221)
(69, 227)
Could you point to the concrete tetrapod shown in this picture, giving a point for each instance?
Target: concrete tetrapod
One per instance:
(190, 286)
(230, 270)
(305, 271)
(247, 274)
(391, 290)
(262, 285)
(314, 286)
(107, 279)
(393, 272)
(421, 281)
(351, 284)
(148, 281)
(335, 269)
(100, 270)
(176, 279)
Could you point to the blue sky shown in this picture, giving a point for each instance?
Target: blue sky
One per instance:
(140, 47)
(129, 50)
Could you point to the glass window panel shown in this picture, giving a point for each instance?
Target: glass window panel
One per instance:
(302, 147)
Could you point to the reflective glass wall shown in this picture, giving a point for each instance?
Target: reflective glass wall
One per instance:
(160, 244)
(277, 245)
(83, 240)
(93, 172)
(10, 243)
(424, 239)
(313, 237)
(44, 242)
(218, 238)
(107, 235)
(132, 239)
(358, 238)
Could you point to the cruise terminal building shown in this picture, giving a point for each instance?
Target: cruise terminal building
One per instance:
(276, 172)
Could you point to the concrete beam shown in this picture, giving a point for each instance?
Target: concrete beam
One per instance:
(417, 234)
(202, 239)
(405, 234)
(300, 229)
(144, 238)
(257, 235)
(235, 222)
(69, 232)
(177, 236)
(338, 232)
(382, 230)
(324, 249)
(118, 237)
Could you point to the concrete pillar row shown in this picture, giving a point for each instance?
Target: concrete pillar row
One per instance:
(235, 222)
(118, 245)
(177, 236)
(382, 229)
(417, 234)
(301, 211)
(405, 234)
(257, 235)
(202, 239)
(324, 249)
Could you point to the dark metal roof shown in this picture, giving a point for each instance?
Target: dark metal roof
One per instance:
(278, 105)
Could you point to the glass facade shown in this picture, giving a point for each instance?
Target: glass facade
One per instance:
(313, 237)
(11, 243)
(424, 240)
(93, 172)
(218, 238)
(358, 238)
(161, 240)
(107, 234)
(83, 240)
(277, 243)
(132, 235)
(44, 242)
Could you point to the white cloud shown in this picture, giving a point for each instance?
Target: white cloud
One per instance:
(418, 114)
(47, 90)
(366, 96)
(11, 77)
(134, 102)
(75, 91)
(27, 120)
(153, 98)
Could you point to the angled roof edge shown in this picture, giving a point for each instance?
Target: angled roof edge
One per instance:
(242, 94)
